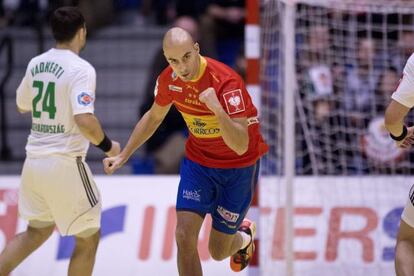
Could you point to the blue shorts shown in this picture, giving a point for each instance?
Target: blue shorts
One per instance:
(224, 193)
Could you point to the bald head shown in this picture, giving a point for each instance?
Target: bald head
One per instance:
(176, 37)
(182, 53)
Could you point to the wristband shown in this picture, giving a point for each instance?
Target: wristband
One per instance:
(402, 136)
(106, 144)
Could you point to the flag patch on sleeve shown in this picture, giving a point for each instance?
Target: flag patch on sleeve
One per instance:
(234, 101)
(85, 99)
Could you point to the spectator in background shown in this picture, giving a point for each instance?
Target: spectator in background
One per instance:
(316, 70)
(361, 81)
(358, 102)
(193, 8)
(54, 4)
(387, 83)
(3, 18)
(382, 153)
(97, 17)
(314, 49)
(222, 27)
(166, 146)
(405, 47)
(318, 51)
(24, 12)
(132, 12)
(162, 11)
(317, 91)
(318, 118)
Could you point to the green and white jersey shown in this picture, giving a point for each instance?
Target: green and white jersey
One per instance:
(405, 90)
(58, 84)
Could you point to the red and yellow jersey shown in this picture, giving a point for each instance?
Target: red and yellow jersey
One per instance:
(205, 144)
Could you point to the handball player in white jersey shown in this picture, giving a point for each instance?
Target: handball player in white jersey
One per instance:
(57, 188)
(397, 110)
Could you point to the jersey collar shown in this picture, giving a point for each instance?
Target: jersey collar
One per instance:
(202, 69)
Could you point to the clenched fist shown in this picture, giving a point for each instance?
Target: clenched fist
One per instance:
(209, 98)
(111, 164)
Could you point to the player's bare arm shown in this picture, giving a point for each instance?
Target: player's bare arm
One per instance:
(233, 131)
(21, 103)
(394, 123)
(91, 128)
(143, 130)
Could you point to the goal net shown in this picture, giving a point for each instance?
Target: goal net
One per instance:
(350, 181)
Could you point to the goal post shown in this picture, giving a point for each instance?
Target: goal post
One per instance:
(289, 91)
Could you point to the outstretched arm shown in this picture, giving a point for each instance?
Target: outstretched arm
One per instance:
(143, 130)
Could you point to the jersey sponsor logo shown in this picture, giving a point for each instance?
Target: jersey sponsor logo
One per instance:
(194, 101)
(199, 123)
(53, 129)
(234, 101)
(192, 195)
(200, 128)
(85, 99)
(175, 88)
(227, 215)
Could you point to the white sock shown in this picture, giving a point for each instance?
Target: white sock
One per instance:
(245, 238)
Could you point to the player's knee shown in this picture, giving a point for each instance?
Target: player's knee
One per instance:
(39, 235)
(88, 239)
(184, 239)
(180, 235)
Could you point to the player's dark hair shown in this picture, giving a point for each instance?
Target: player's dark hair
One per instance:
(65, 23)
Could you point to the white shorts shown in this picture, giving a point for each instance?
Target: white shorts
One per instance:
(408, 213)
(60, 190)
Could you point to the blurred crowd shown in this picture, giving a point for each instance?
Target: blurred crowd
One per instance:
(348, 64)
(348, 68)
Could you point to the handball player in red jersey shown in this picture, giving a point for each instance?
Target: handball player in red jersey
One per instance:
(223, 150)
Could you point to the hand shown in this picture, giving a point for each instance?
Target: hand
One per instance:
(111, 164)
(115, 149)
(408, 140)
(209, 98)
